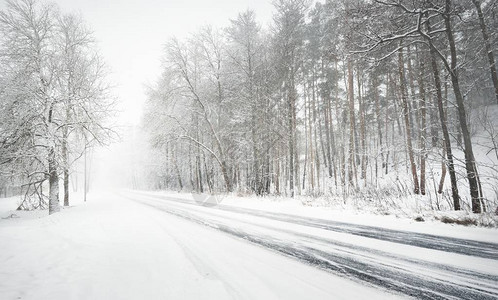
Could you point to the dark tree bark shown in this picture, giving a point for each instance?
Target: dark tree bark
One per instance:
(444, 126)
(65, 158)
(328, 133)
(352, 165)
(423, 123)
(443, 176)
(178, 174)
(404, 100)
(291, 102)
(363, 136)
(487, 46)
(378, 117)
(469, 153)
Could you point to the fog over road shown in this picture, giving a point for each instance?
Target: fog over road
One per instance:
(413, 264)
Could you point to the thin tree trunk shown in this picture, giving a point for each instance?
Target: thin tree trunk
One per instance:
(344, 118)
(487, 45)
(362, 133)
(306, 138)
(85, 175)
(178, 174)
(387, 122)
(191, 169)
(310, 143)
(294, 139)
(444, 125)
(291, 107)
(433, 120)
(332, 131)
(443, 176)
(315, 135)
(53, 205)
(200, 185)
(256, 186)
(352, 166)
(469, 153)
(412, 104)
(277, 174)
(406, 113)
(65, 162)
(423, 131)
(328, 131)
(378, 117)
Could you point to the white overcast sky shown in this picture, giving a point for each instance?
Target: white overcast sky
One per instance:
(131, 35)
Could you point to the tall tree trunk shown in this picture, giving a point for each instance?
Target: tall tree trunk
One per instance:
(487, 45)
(434, 122)
(256, 186)
(208, 175)
(444, 124)
(65, 162)
(332, 131)
(328, 129)
(352, 165)
(378, 117)
(53, 175)
(178, 174)
(387, 121)
(423, 130)
(469, 153)
(328, 133)
(362, 132)
(310, 143)
(297, 166)
(343, 130)
(291, 107)
(277, 173)
(406, 112)
(306, 137)
(443, 176)
(267, 153)
(191, 169)
(200, 184)
(53, 205)
(314, 122)
(412, 104)
(85, 172)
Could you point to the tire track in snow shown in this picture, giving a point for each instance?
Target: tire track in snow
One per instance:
(354, 265)
(447, 244)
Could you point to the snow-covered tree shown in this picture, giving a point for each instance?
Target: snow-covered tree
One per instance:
(53, 86)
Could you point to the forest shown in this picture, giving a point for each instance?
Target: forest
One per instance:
(350, 99)
(360, 101)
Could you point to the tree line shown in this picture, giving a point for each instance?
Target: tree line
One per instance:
(335, 97)
(54, 99)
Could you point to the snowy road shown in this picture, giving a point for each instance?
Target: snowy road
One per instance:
(114, 248)
(413, 264)
(141, 245)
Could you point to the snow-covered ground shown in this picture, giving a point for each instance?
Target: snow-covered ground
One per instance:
(162, 245)
(115, 248)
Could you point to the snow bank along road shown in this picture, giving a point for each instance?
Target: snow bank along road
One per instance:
(412, 264)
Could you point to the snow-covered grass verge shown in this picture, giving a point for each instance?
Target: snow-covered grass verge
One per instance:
(414, 207)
